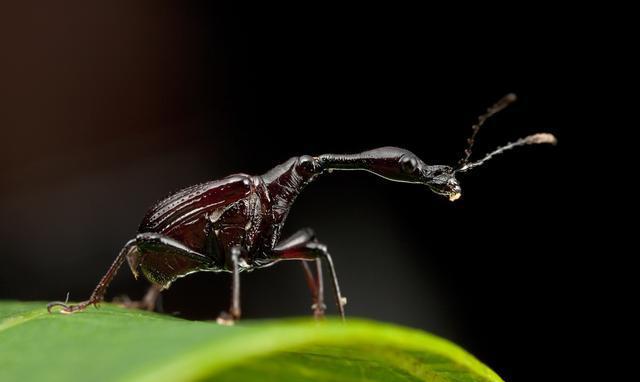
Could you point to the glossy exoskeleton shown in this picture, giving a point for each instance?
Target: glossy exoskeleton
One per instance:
(234, 224)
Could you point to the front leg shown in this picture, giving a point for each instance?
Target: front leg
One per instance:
(304, 246)
(316, 286)
(315, 283)
(228, 318)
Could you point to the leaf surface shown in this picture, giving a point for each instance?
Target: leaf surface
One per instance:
(116, 344)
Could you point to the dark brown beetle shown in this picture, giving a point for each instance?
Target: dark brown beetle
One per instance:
(234, 224)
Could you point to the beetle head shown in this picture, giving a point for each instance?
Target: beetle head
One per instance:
(442, 180)
(401, 165)
(439, 178)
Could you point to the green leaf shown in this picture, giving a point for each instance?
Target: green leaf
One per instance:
(116, 344)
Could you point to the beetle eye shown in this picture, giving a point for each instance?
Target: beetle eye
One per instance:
(409, 164)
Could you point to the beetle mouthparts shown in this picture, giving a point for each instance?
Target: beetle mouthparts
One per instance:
(454, 196)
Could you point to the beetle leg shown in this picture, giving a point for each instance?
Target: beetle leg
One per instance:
(319, 307)
(304, 246)
(148, 302)
(228, 318)
(316, 286)
(170, 260)
(98, 293)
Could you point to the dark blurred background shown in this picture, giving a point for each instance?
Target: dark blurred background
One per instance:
(107, 108)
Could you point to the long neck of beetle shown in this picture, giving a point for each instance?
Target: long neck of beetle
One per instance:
(374, 161)
(285, 181)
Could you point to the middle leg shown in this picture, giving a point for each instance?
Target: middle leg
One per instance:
(228, 318)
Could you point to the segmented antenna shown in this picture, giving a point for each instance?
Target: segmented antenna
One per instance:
(530, 140)
(498, 106)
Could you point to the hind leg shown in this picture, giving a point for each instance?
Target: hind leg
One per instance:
(171, 259)
(100, 289)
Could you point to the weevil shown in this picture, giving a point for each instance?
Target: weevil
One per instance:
(234, 224)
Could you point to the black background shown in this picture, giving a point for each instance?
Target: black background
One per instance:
(110, 107)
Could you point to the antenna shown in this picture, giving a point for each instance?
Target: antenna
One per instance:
(497, 107)
(529, 140)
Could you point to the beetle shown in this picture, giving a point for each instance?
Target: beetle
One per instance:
(234, 224)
